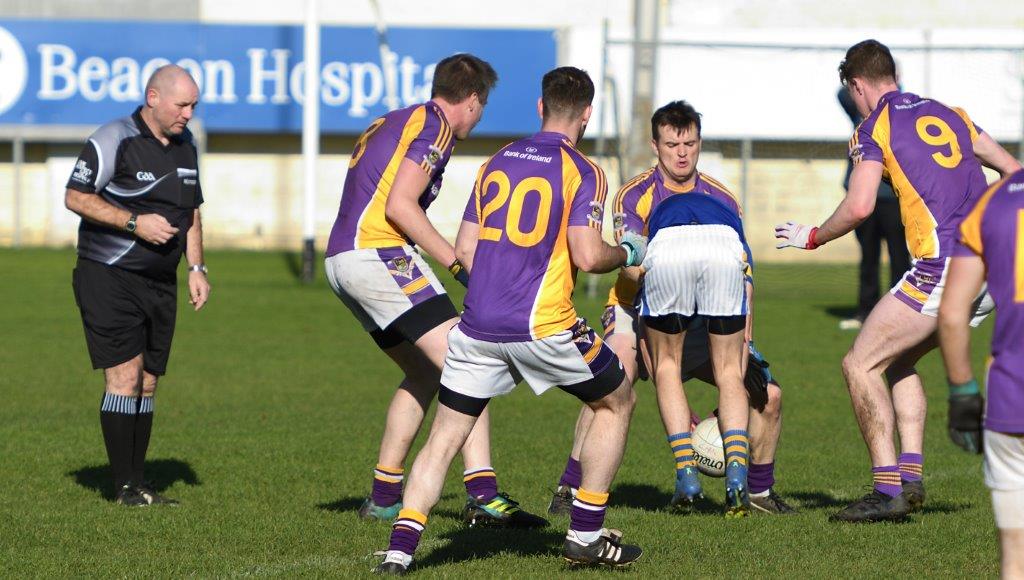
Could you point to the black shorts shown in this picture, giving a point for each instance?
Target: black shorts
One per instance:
(125, 314)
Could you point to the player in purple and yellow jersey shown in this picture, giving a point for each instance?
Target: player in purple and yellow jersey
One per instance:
(394, 175)
(676, 141)
(534, 219)
(991, 251)
(933, 156)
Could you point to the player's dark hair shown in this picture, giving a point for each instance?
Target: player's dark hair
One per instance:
(566, 92)
(460, 75)
(869, 60)
(679, 115)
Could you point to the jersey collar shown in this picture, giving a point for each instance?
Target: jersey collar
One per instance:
(676, 188)
(550, 136)
(146, 132)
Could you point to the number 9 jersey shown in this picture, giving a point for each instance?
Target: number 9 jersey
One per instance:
(525, 198)
(927, 151)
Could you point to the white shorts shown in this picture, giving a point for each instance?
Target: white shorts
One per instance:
(1004, 475)
(922, 286)
(380, 284)
(483, 369)
(696, 269)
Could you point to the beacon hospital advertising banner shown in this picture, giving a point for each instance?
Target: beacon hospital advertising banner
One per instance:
(251, 76)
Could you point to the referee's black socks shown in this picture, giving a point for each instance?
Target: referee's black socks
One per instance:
(117, 418)
(143, 427)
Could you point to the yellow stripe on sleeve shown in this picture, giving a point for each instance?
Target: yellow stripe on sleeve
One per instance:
(970, 228)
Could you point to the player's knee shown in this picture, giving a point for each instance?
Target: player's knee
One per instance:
(852, 365)
(773, 408)
(124, 379)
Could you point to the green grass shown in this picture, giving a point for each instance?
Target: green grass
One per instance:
(268, 421)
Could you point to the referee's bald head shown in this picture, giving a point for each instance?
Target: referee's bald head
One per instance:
(164, 79)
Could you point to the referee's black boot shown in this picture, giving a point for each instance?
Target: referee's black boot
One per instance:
(151, 497)
(128, 495)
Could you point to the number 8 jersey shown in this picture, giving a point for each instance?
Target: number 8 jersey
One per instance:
(525, 198)
(927, 152)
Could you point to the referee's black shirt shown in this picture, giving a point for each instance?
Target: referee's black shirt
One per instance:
(125, 164)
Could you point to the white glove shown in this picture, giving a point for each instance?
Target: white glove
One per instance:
(796, 235)
(636, 248)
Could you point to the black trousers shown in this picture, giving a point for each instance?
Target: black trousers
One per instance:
(883, 224)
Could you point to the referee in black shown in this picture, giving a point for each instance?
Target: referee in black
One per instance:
(136, 187)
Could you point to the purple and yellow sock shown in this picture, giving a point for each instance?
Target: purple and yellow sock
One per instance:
(737, 446)
(682, 450)
(587, 515)
(406, 531)
(761, 477)
(573, 474)
(387, 485)
(481, 483)
(887, 480)
(911, 466)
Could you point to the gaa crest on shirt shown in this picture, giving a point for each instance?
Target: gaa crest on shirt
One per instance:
(596, 212)
(432, 157)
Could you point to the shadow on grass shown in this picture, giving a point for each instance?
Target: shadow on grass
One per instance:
(944, 507)
(841, 312)
(353, 503)
(345, 504)
(816, 499)
(160, 473)
(293, 261)
(640, 496)
(474, 543)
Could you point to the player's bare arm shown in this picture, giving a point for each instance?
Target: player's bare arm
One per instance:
(404, 210)
(198, 284)
(465, 243)
(591, 254)
(150, 227)
(852, 211)
(966, 276)
(993, 156)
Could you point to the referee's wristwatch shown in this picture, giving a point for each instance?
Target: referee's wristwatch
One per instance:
(198, 268)
(130, 225)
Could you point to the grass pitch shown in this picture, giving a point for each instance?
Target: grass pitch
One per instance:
(268, 421)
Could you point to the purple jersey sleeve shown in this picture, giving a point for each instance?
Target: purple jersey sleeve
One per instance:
(864, 146)
(433, 144)
(627, 213)
(587, 207)
(472, 212)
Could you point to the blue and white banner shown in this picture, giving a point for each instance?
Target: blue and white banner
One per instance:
(251, 77)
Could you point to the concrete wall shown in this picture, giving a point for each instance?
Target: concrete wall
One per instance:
(254, 199)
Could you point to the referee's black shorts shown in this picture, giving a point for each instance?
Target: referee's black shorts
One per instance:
(125, 314)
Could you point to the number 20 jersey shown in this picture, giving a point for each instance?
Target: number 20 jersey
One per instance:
(927, 151)
(525, 198)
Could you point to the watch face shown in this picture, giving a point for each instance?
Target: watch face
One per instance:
(130, 226)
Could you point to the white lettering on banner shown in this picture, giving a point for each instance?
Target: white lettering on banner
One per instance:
(360, 72)
(124, 81)
(272, 79)
(407, 71)
(257, 75)
(49, 70)
(13, 70)
(334, 91)
(93, 75)
(219, 70)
